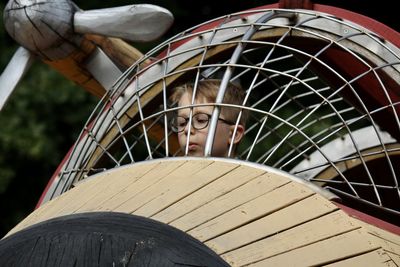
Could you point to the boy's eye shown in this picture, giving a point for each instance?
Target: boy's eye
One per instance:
(181, 122)
(200, 117)
(201, 120)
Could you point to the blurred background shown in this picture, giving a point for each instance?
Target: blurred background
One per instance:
(45, 114)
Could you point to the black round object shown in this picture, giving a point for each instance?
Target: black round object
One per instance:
(104, 239)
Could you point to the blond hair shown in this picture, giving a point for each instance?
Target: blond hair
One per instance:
(208, 90)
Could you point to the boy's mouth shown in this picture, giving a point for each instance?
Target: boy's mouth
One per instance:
(193, 146)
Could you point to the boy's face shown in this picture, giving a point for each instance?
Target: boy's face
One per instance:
(197, 138)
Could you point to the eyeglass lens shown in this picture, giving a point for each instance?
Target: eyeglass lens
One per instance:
(199, 121)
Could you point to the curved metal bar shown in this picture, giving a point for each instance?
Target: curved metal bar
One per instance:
(226, 78)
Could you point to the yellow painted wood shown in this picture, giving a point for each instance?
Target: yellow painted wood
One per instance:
(225, 184)
(187, 204)
(176, 187)
(246, 192)
(375, 258)
(245, 214)
(273, 245)
(73, 200)
(332, 249)
(158, 187)
(157, 173)
(394, 257)
(304, 215)
(98, 187)
(387, 245)
(390, 242)
(379, 233)
(252, 210)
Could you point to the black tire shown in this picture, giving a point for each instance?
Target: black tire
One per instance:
(104, 239)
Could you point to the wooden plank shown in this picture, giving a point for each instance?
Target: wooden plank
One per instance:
(177, 187)
(379, 233)
(326, 251)
(373, 258)
(252, 210)
(394, 257)
(332, 224)
(311, 208)
(72, 68)
(246, 192)
(387, 245)
(120, 52)
(157, 173)
(178, 209)
(120, 180)
(151, 189)
(211, 191)
(71, 201)
(390, 242)
(97, 185)
(31, 219)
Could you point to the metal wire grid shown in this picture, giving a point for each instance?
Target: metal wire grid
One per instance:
(309, 115)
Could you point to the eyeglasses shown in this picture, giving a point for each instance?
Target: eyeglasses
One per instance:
(199, 122)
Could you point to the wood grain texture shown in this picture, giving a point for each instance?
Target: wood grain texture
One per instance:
(373, 258)
(250, 190)
(278, 240)
(262, 206)
(325, 251)
(250, 215)
(301, 217)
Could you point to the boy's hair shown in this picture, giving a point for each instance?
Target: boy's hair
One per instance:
(208, 89)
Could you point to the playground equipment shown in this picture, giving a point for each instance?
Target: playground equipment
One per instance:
(314, 180)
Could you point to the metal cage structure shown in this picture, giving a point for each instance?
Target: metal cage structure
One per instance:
(321, 92)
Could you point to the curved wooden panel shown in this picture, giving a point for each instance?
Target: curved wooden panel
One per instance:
(248, 214)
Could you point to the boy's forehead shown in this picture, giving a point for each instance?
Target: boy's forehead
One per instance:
(186, 100)
(202, 109)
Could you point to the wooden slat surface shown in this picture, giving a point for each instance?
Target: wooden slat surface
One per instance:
(253, 234)
(205, 192)
(185, 184)
(93, 190)
(71, 201)
(156, 188)
(305, 234)
(249, 211)
(326, 251)
(224, 185)
(374, 259)
(384, 235)
(128, 191)
(248, 215)
(252, 189)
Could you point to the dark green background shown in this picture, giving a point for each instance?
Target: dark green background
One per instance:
(46, 113)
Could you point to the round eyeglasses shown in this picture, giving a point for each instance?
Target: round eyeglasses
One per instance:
(199, 122)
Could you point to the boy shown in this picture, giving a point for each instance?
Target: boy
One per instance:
(206, 92)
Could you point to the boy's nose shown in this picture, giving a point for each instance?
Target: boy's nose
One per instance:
(187, 129)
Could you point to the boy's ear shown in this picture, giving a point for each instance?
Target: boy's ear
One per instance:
(239, 133)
